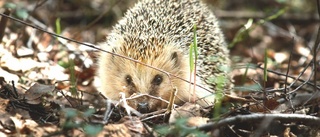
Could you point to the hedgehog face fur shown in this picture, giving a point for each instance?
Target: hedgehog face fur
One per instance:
(159, 33)
(132, 78)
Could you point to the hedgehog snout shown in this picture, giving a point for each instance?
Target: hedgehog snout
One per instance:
(141, 104)
(145, 104)
(143, 107)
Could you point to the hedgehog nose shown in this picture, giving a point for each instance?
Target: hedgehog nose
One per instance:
(143, 107)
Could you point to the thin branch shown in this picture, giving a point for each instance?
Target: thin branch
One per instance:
(295, 118)
(288, 68)
(292, 77)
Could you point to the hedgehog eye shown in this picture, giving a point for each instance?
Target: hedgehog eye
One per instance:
(128, 79)
(157, 80)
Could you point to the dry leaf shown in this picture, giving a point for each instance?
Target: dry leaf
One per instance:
(185, 111)
(34, 93)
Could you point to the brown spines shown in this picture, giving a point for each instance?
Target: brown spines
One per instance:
(142, 49)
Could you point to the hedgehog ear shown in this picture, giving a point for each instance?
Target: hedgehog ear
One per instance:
(175, 59)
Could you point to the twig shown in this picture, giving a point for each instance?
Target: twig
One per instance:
(286, 80)
(288, 68)
(150, 96)
(304, 69)
(305, 119)
(152, 114)
(292, 77)
(108, 112)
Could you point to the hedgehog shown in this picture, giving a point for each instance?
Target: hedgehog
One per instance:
(159, 33)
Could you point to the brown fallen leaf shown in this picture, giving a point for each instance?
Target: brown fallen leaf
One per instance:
(35, 92)
(197, 121)
(115, 130)
(133, 124)
(6, 123)
(185, 111)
